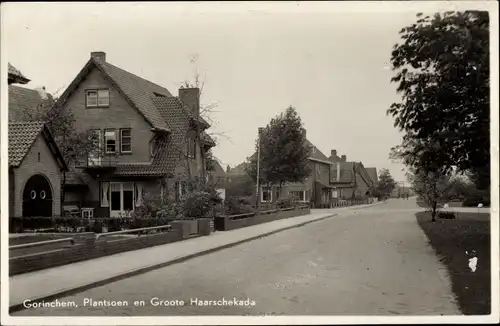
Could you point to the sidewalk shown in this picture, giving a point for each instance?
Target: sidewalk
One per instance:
(60, 281)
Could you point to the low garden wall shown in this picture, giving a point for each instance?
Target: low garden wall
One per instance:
(226, 223)
(86, 247)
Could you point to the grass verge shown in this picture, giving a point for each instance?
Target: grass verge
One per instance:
(450, 240)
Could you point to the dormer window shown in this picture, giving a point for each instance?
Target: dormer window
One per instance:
(97, 98)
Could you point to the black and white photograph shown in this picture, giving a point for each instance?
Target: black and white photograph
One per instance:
(225, 163)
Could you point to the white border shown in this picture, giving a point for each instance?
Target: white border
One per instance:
(283, 7)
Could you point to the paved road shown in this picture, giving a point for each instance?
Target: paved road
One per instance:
(372, 261)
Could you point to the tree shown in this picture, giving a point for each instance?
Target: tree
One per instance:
(205, 112)
(386, 183)
(74, 146)
(284, 151)
(432, 187)
(442, 71)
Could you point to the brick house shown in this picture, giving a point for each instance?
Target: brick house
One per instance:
(372, 172)
(315, 190)
(217, 176)
(350, 179)
(35, 166)
(151, 142)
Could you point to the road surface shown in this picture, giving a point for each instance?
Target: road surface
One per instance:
(372, 261)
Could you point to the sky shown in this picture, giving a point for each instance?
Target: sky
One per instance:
(331, 61)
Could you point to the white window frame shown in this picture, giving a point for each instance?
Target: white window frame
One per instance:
(105, 104)
(101, 100)
(87, 103)
(116, 213)
(191, 147)
(121, 140)
(106, 141)
(304, 194)
(267, 189)
(182, 186)
(104, 201)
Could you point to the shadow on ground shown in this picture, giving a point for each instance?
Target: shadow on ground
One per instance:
(451, 239)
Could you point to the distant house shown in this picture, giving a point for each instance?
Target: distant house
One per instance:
(372, 172)
(350, 179)
(315, 189)
(149, 144)
(35, 166)
(238, 182)
(218, 178)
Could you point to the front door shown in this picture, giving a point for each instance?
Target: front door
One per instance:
(122, 198)
(37, 197)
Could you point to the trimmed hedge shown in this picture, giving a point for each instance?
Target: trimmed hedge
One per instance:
(73, 224)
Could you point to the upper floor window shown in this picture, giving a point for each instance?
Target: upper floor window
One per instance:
(191, 147)
(98, 98)
(110, 141)
(126, 140)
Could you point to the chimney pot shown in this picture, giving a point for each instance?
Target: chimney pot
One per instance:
(98, 55)
(343, 158)
(190, 97)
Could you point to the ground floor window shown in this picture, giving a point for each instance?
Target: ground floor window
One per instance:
(120, 197)
(266, 194)
(302, 195)
(181, 189)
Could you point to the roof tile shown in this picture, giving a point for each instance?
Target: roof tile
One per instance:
(21, 138)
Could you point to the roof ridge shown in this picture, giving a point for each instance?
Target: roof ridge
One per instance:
(131, 73)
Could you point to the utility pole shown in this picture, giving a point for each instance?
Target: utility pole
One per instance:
(257, 187)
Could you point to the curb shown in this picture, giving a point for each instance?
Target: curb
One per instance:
(63, 293)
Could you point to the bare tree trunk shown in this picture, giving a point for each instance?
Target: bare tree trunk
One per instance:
(434, 210)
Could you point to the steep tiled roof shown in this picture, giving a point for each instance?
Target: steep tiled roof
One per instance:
(169, 148)
(21, 138)
(218, 170)
(22, 135)
(16, 76)
(316, 153)
(372, 172)
(138, 90)
(239, 169)
(207, 139)
(142, 93)
(23, 102)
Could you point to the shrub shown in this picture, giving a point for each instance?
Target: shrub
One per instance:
(473, 201)
(237, 205)
(447, 215)
(200, 204)
(287, 201)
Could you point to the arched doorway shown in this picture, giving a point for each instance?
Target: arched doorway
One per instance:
(37, 197)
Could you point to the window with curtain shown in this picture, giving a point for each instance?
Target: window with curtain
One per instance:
(104, 194)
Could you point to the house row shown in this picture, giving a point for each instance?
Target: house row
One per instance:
(332, 180)
(150, 143)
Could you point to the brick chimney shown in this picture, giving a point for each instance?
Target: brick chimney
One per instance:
(191, 97)
(99, 55)
(343, 158)
(333, 153)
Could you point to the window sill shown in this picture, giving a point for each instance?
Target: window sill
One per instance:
(126, 153)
